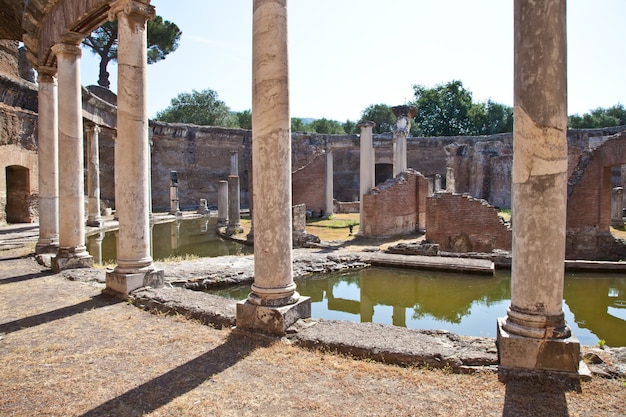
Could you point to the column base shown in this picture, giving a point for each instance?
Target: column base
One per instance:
(47, 248)
(121, 284)
(71, 258)
(233, 229)
(532, 354)
(95, 222)
(272, 320)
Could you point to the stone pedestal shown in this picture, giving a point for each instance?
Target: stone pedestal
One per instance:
(48, 149)
(273, 305)
(94, 218)
(272, 320)
(121, 284)
(72, 252)
(534, 335)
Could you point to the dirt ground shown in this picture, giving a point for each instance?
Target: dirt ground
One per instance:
(67, 350)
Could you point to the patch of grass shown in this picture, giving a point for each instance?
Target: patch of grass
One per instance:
(179, 258)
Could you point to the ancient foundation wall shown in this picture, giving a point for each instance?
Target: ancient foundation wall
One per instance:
(393, 208)
(460, 223)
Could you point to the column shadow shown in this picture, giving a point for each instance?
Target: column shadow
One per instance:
(160, 391)
(537, 395)
(25, 277)
(58, 314)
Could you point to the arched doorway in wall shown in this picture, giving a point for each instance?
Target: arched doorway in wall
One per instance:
(382, 173)
(18, 194)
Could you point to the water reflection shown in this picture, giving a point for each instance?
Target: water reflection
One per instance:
(178, 238)
(594, 305)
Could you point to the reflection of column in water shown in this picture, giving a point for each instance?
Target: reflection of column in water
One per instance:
(174, 235)
(94, 247)
(399, 316)
(204, 226)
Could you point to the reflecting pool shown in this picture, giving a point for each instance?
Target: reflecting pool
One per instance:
(177, 238)
(594, 304)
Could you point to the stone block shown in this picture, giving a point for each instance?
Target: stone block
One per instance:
(526, 353)
(272, 320)
(61, 263)
(123, 284)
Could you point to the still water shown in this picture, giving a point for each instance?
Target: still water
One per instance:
(594, 304)
(178, 238)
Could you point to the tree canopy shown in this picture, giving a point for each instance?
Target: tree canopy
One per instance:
(325, 126)
(598, 118)
(200, 108)
(163, 37)
(382, 115)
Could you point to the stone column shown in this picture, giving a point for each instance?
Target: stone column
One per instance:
(222, 203)
(328, 182)
(534, 334)
(274, 304)
(400, 132)
(234, 163)
(437, 183)
(72, 250)
(617, 208)
(94, 244)
(174, 201)
(94, 218)
(450, 181)
(48, 147)
(234, 197)
(132, 153)
(367, 174)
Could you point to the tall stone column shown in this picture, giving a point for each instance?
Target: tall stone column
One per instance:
(234, 197)
(48, 146)
(222, 203)
(534, 334)
(274, 304)
(174, 201)
(94, 218)
(367, 174)
(328, 183)
(401, 131)
(72, 250)
(132, 153)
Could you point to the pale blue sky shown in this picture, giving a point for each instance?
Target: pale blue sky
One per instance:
(348, 54)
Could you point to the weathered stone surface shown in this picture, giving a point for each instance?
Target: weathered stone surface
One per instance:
(397, 345)
(271, 320)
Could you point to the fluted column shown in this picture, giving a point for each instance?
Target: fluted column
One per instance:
(48, 150)
(72, 250)
(274, 291)
(132, 152)
(534, 333)
(94, 218)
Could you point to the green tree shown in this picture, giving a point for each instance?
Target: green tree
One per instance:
(443, 110)
(489, 118)
(598, 118)
(297, 125)
(244, 119)
(382, 115)
(200, 108)
(325, 126)
(350, 127)
(163, 37)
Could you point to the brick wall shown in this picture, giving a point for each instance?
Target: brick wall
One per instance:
(460, 223)
(393, 208)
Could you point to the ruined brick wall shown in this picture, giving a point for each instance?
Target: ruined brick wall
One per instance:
(589, 203)
(460, 223)
(308, 167)
(201, 156)
(393, 208)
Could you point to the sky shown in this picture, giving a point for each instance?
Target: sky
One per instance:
(345, 55)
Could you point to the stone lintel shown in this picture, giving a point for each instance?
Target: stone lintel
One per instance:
(272, 320)
(121, 284)
(65, 261)
(531, 354)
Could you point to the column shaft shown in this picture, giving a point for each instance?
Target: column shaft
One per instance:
(72, 250)
(222, 203)
(328, 182)
(48, 150)
(367, 179)
(94, 217)
(271, 150)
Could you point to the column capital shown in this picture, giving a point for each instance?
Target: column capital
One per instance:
(92, 128)
(140, 7)
(46, 75)
(367, 123)
(66, 48)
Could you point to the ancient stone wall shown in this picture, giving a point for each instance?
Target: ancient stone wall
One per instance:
(9, 58)
(393, 207)
(460, 223)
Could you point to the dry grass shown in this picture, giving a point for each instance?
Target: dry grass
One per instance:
(67, 350)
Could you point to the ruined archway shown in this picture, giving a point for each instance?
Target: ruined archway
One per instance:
(589, 203)
(18, 194)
